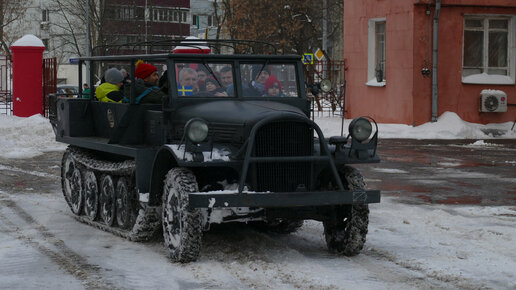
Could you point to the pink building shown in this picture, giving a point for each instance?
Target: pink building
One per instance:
(390, 47)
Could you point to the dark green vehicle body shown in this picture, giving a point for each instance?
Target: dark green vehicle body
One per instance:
(272, 151)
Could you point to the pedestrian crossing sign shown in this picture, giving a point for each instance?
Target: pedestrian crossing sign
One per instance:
(308, 58)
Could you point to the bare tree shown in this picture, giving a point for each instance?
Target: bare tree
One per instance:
(10, 12)
(294, 26)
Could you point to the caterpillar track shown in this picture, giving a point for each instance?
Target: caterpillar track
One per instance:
(142, 221)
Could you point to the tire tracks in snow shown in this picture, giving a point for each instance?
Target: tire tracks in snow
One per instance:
(429, 279)
(51, 246)
(254, 259)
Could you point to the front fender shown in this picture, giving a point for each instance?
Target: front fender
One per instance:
(164, 161)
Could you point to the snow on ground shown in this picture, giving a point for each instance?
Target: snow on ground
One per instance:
(429, 245)
(408, 247)
(26, 137)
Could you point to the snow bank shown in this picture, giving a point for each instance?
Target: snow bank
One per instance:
(448, 126)
(26, 137)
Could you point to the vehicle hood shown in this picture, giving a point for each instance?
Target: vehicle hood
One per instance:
(237, 112)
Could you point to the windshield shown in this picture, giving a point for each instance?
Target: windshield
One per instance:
(204, 79)
(269, 80)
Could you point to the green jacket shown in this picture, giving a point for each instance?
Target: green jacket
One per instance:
(107, 92)
(86, 93)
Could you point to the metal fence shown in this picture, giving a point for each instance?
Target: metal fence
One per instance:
(49, 81)
(333, 102)
(6, 96)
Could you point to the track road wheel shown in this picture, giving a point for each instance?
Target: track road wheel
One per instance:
(346, 232)
(126, 204)
(182, 230)
(107, 199)
(91, 195)
(71, 183)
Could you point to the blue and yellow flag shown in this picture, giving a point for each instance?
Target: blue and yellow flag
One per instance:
(185, 90)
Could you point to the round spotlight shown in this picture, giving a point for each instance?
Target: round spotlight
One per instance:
(196, 130)
(360, 129)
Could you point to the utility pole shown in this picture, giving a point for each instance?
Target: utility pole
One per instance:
(325, 27)
(146, 15)
(88, 44)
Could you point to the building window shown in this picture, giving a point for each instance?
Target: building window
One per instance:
(376, 67)
(194, 20)
(486, 50)
(45, 16)
(212, 21)
(122, 12)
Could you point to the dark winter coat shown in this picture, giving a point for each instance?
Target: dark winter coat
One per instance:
(153, 96)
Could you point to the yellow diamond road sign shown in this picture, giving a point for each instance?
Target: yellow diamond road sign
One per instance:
(319, 54)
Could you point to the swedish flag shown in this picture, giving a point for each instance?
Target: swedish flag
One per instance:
(185, 91)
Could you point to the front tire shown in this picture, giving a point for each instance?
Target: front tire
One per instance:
(182, 231)
(346, 231)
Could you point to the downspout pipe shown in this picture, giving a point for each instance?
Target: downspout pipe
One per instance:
(434, 59)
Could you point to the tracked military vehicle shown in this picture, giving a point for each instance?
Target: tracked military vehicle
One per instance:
(197, 159)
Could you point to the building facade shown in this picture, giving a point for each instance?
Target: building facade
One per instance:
(137, 21)
(409, 61)
(204, 18)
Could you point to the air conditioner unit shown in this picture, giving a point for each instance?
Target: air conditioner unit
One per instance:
(493, 101)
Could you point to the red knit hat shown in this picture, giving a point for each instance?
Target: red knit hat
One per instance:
(272, 81)
(143, 70)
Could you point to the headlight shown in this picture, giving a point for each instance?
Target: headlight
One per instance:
(196, 130)
(360, 129)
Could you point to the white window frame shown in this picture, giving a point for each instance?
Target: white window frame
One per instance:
(371, 52)
(511, 51)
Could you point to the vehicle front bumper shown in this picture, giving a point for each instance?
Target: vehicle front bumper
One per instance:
(282, 199)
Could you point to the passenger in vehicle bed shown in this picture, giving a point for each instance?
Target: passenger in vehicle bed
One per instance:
(109, 91)
(146, 85)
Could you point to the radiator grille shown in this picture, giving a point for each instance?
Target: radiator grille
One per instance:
(283, 139)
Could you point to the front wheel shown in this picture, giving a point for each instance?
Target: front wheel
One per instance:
(182, 231)
(346, 231)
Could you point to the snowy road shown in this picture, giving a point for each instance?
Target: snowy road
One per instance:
(424, 246)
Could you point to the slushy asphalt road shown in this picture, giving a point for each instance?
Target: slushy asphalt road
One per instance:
(420, 171)
(446, 171)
